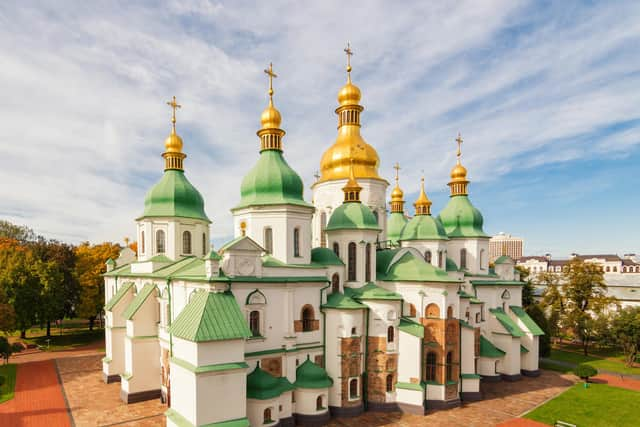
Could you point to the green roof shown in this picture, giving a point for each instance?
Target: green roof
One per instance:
(523, 349)
(461, 219)
(325, 256)
(110, 261)
(487, 349)
(496, 283)
(352, 216)
(271, 261)
(463, 294)
(271, 182)
(174, 196)
(371, 291)
(423, 227)
(410, 327)
(310, 375)
(465, 324)
(262, 385)
(409, 268)
(503, 259)
(340, 301)
(395, 224)
(531, 325)
(137, 302)
(211, 316)
(118, 296)
(451, 265)
(212, 255)
(507, 322)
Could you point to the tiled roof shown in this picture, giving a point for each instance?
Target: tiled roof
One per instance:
(531, 325)
(507, 322)
(487, 349)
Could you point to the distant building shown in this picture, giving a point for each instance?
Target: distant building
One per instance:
(505, 244)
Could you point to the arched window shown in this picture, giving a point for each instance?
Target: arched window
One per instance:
(204, 244)
(267, 416)
(450, 312)
(432, 310)
(412, 310)
(268, 239)
(319, 406)
(431, 366)
(353, 388)
(450, 366)
(160, 241)
(389, 383)
(323, 226)
(142, 242)
(308, 318)
(296, 242)
(254, 323)
(336, 248)
(440, 259)
(467, 315)
(608, 269)
(335, 283)
(375, 214)
(352, 262)
(427, 256)
(186, 242)
(463, 258)
(367, 265)
(390, 334)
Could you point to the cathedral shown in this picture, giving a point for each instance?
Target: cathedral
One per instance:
(316, 309)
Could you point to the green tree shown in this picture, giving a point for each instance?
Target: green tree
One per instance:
(90, 265)
(528, 290)
(553, 301)
(7, 318)
(625, 332)
(21, 233)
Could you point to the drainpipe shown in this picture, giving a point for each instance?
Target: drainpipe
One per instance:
(324, 329)
(460, 355)
(366, 355)
(169, 317)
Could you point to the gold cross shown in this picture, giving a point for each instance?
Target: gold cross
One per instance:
(271, 75)
(459, 141)
(174, 105)
(349, 52)
(397, 168)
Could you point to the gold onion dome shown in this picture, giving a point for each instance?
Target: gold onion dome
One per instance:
(459, 182)
(422, 204)
(349, 145)
(173, 143)
(270, 118)
(397, 195)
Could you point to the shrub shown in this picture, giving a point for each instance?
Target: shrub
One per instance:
(585, 371)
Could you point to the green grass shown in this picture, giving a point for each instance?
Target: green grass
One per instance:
(614, 364)
(9, 374)
(553, 367)
(69, 340)
(597, 406)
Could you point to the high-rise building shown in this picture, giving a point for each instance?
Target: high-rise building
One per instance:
(505, 244)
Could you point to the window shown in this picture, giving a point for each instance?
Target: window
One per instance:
(431, 366)
(204, 244)
(450, 312)
(142, 242)
(160, 241)
(186, 242)
(389, 383)
(354, 331)
(307, 318)
(375, 214)
(463, 258)
(615, 269)
(367, 266)
(440, 259)
(352, 262)
(477, 317)
(450, 366)
(336, 249)
(319, 406)
(267, 416)
(432, 310)
(353, 388)
(296, 242)
(467, 315)
(335, 283)
(412, 310)
(608, 269)
(323, 226)
(427, 256)
(390, 334)
(268, 239)
(254, 323)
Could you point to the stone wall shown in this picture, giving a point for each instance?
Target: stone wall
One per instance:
(380, 365)
(351, 355)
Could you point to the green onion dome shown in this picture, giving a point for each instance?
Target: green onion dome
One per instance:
(174, 196)
(310, 375)
(423, 227)
(352, 216)
(395, 224)
(262, 385)
(461, 219)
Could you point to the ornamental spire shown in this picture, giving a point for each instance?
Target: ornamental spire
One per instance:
(397, 195)
(173, 155)
(459, 182)
(352, 188)
(349, 52)
(423, 204)
(270, 134)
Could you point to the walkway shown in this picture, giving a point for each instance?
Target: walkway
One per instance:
(601, 371)
(38, 398)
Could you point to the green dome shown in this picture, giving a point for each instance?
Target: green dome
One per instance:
(395, 223)
(310, 375)
(423, 227)
(325, 256)
(174, 196)
(271, 182)
(408, 267)
(461, 219)
(352, 216)
(262, 385)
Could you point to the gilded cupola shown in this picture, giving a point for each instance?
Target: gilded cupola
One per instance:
(459, 180)
(173, 155)
(397, 195)
(349, 144)
(422, 204)
(270, 134)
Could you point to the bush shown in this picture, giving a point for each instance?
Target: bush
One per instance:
(585, 371)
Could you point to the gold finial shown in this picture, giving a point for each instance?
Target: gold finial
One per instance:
(351, 188)
(126, 241)
(174, 106)
(173, 154)
(271, 75)
(349, 52)
(459, 141)
(397, 168)
(423, 204)
(397, 195)
(459, 181)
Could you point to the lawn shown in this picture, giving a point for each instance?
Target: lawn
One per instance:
(614, 363)
(597, 406)
(72, 333)
(553, 367)
(9, 374)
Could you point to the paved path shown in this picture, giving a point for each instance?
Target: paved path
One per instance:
(602, 371)
(617, 380)
(38, 398)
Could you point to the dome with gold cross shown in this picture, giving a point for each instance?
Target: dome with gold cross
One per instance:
(349, 144)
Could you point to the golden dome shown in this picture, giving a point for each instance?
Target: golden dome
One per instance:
(173, 143)
(349, 94)
(458, 184)
(423, 204)
(397, 194)
(458, 173)
(270, 117)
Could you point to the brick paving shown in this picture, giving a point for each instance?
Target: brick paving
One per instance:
(38, 398)
(94, 403)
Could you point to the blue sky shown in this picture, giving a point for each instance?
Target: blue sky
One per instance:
(545, 94)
